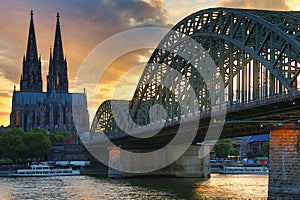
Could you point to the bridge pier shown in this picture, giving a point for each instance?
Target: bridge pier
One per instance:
(192, 164)
(284, 174)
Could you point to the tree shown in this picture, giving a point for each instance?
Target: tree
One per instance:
(18, 150)
(234, 152)
(260, 153)
(3, 145)
(250, 155)
(39, 144)
(14, 143)
(19, 145)
(58, 137)
(223, 148)
(266, 147)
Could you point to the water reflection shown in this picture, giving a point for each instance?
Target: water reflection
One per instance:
(87, 188)
(233, 187)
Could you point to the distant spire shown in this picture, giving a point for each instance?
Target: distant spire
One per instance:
(31, 79)
(58, 74)
(31, 53)
(50, 81)
(50, 63)
(58, 53)
(50, 52)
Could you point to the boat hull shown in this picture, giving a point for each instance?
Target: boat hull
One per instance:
(244, 170)
(74, 173)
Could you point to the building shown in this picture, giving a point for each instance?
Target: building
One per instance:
(256, 142)
(55, 109)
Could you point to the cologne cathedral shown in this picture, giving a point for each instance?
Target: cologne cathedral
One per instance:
(55, 109)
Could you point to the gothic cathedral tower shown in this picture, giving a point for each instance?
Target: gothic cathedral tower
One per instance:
(31, 79)
(57, 78)
(56, 109)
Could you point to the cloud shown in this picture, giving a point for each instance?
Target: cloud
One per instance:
(4, 119)
(5, 94)
(120, 79)
(124, 64)
(9, 65)
(256, 4)
(293, 4)
(130, 13)
(4, 113)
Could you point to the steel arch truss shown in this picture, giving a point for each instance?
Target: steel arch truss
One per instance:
(103, 120)
(257, 54)
(111, 118)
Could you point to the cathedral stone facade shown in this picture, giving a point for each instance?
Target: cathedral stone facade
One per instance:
(55, 109)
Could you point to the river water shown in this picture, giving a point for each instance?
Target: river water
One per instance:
(88, 188)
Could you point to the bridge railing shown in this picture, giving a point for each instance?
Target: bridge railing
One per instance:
(263, 101)
(204, 113)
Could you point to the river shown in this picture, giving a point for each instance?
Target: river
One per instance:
(89, 188)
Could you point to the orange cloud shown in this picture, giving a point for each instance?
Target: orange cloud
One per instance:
(119, 79)
(256, 4)
(293, 4)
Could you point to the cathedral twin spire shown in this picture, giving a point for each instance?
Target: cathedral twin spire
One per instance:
(57, 79)
(31, 79)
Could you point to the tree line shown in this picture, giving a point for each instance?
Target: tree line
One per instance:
(18, 145)
(224, 148)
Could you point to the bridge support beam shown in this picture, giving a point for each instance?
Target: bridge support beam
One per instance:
(192, 164)
(284, 174)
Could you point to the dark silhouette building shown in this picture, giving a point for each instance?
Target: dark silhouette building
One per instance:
(55, 109)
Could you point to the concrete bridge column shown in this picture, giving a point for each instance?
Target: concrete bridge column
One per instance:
(195, 162)
(114, 157)
(284, 174)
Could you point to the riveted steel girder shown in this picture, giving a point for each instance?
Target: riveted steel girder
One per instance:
(257, 54)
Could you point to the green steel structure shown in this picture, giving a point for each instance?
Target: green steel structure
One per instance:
(256, 54)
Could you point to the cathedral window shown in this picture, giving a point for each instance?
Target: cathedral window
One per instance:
(18, 118)
(25, 122)
(57, 80)
(64, 116)
(31, 78)
(33, 117)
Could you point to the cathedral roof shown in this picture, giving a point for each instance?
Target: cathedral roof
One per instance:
(38, 98)
(30, 98)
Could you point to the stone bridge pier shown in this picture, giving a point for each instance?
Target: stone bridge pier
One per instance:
(284, 173)
(193, 163)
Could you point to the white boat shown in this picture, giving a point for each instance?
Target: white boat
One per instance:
(43, 170)
(244, 170)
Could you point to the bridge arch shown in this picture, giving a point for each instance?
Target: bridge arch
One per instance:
(257, 54)
(110, 118)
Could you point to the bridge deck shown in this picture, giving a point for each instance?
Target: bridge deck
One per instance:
(241, 120)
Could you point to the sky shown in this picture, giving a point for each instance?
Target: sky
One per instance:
(84, 25)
